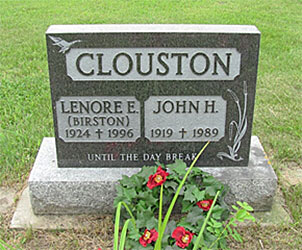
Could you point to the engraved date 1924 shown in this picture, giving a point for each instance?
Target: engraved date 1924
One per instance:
(101, 134)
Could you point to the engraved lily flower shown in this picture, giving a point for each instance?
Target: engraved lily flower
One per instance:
(239, 126)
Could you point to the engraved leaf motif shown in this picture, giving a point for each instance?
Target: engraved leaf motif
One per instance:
(243, 131)
(235, 97)
(231, 129)
(240, 126)
(231, 151)
(237, 146)
(220, 155)
(244, 88)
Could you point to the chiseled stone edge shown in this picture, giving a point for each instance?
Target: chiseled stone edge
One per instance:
(56, 190)
(155, 28)
(255, 184)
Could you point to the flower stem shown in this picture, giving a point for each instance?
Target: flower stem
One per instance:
(160, 206)
(163, 227)
(117, 223)
(219, 236)
(200, 235)
(131, 215)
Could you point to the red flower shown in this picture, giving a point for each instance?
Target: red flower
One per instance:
(205, 205)
(148, 237)
(182, 237)
(158, 178)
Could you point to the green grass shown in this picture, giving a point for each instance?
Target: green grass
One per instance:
(25, 110)
(25, 105)
(25, 96)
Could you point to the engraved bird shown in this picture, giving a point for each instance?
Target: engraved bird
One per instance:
(65, 46)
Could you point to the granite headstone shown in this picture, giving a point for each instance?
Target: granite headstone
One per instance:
(124, 96)
(130, 95)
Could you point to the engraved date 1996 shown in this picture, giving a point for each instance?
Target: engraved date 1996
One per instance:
(101, 134)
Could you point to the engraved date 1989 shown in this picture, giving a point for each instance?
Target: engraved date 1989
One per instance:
(184, 133)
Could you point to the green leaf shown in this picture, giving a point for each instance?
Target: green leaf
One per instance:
(188, 226)
(209, 180)
(174, 247)
(217, 212)
(186, 206)
(218, 231)
(188, 193)
(195, 216)
(237, 236)
(146, 172)
(240, 215)
(223, 244)
(120, 195)
(170, 227)
(210, 229)
(197, 172)
(130, 193)
(165, 241)
(131, 182)
(247, 207)
(148, 197)
(171, 184)
(235, 208)
(250, 217)
(152, 223)
(143, 217)
(233, 224)
(240, 203)
(132, 233)
(229, 229)
(208, 240)
(179, 167)
(199, 195)
(119, 190)
(210, 190)
(215, 223)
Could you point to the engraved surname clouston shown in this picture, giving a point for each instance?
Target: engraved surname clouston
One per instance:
(153, 64)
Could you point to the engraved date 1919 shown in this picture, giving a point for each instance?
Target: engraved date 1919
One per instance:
(183, 133)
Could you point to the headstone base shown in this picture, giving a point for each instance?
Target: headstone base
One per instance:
(56, 190)
(25, 218)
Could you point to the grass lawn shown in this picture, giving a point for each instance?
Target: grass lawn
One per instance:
(25, 109)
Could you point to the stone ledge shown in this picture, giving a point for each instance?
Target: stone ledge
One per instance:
(63, 191)
(25, 218)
